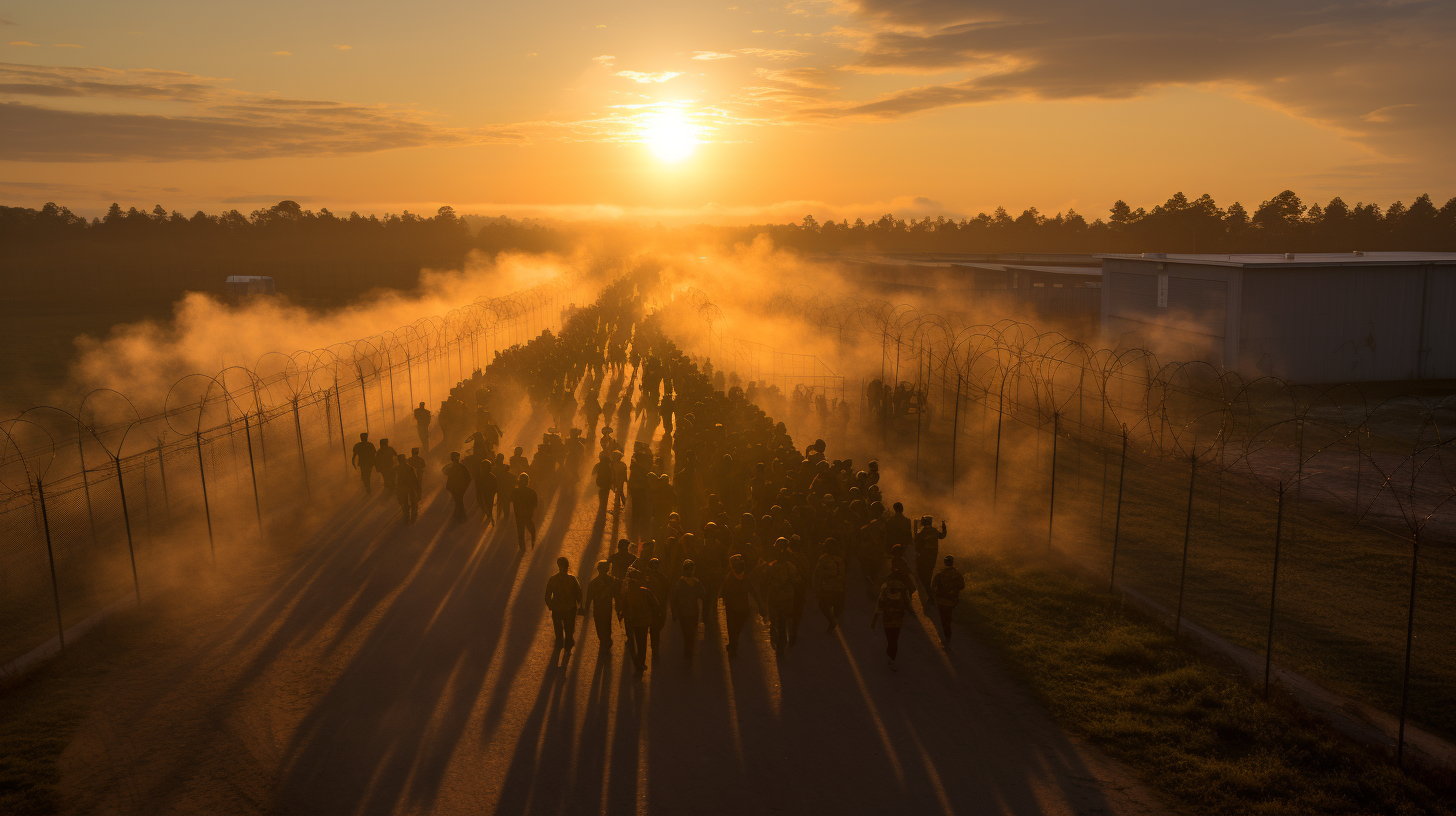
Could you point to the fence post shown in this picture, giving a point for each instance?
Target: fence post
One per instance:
(955, 432)
(51, 556)
(1052, 503)
(85, 481)
(166, 497)
(343, 442)
(996, 468)
(253, 472)
(393, 408)
(1117, 524)
(1410, 624)
(920, 406)
(1273, 592)
(302, 458)
(364, 400)
(126, 519)
(206, 508)
(1187, 529)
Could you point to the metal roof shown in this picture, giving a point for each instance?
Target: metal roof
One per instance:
(1294, 259)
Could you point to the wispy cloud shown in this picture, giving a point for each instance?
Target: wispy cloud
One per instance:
(23, 42)
(344, 47)
(710, 55)
(645, 78)
(210, 122)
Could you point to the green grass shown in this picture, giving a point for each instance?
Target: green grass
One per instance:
(1189, 722)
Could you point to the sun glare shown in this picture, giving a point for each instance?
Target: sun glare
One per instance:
(669, 135)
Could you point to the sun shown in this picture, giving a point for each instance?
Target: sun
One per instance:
(669, 135)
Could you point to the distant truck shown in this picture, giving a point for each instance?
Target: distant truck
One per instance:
(242, 287)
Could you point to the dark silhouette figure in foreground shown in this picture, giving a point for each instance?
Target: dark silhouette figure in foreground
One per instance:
(406, 489)
(946, 587)
(737, 589)
(894, 601)
(687, 603)
(601, 593)
(363, 460)
(384, 461)
(563, 598)
(639, 608)
(417, 462)
(524, 500)
(927, 550)
(422, 426)
(457, 478)
(829, 574)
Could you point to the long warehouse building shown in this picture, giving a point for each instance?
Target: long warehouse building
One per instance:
(1302, 317)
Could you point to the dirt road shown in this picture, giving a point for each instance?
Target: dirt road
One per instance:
(391, 669)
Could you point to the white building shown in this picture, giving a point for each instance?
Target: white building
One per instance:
(1304, 317)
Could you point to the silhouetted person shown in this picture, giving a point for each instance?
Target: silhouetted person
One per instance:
(422, 425)
(623, 559)
(407, 489)
(364, 455)
(898, 529)
(657, 581)
(779, 577)
(892, 604)
(384, 461)
(687, 604)
(486, 489)
(524, 501)
(519, 463)
(563, 598)
(737, 589)
(417, 462)
(639, 608)
(602, 474)
(927, 550)
(457, 479)
(829, 575)
(601, 593)
(946, 587)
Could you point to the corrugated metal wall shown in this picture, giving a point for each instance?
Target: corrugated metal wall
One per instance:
(1333, 324)
(1190, 327)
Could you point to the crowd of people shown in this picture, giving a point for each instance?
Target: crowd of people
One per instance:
(723, 512)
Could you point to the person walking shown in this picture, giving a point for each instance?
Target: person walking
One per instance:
(486, 489)
(524, 501)
(657, 582)
(384, 461)
(829, 575)
(422, 426)
(893, 602)
(640, 607)
(687, 604)
(927, 550)
(601, 592)
(736, 590)
(407, 489)
(417, 462)
(947, 586)
(457, 478)
(779, 578)
(363, 460)
(899, 531)
(602, 473)
(563, 598)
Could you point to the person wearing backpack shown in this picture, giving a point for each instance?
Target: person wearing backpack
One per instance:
(894, 601)
(946, 587)
(687, 604)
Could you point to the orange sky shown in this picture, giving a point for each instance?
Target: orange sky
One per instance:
(695, 112)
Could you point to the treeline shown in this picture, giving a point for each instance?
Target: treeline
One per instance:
(1281, 224)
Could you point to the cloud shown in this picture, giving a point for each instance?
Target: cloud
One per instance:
(344, 47)
(265, 199)
(1382, 72)
(604, 60)
(24, 42)
(710, 55)
(210, 122)
(659, 76)
(775, 54)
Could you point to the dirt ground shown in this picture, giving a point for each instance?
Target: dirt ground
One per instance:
(393, 669)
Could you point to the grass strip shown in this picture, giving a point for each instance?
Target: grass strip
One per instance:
(1190, 722)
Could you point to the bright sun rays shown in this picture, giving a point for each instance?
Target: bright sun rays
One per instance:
(670, 135)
